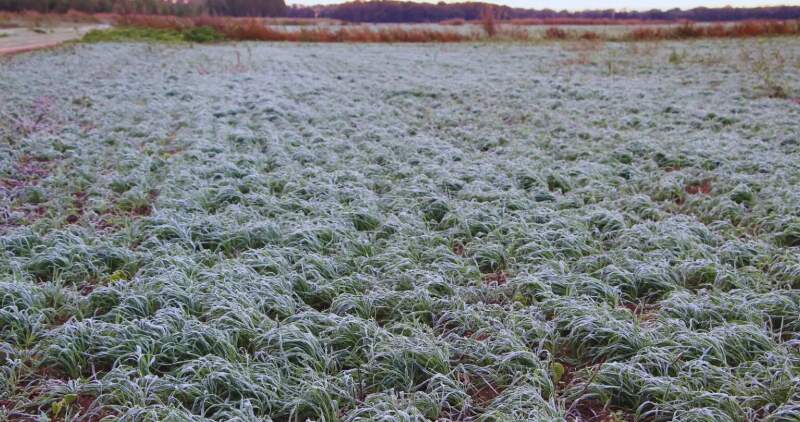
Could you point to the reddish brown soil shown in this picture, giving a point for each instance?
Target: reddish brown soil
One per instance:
(481, 337)
(703, 187)
(643, 311)
(496, 279)
(485, 395)
(88, 287)
(594, 411)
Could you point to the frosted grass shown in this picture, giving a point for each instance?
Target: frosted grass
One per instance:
(400, 233)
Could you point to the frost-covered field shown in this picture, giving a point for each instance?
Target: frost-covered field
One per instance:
(401, 233)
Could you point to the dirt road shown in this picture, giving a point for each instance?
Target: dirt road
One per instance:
(17, 40)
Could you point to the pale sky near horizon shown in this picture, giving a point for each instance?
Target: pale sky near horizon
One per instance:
(605, 4)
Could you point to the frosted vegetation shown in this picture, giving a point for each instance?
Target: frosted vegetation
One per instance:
(496, 232)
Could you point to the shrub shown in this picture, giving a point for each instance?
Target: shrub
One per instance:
(590, 36)
(555, 33)
(488, 22)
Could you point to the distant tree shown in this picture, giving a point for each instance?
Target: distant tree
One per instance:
(247, 7)
(164, 7)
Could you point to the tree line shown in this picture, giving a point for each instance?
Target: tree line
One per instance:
(152, 7)
(388, 10)
(406, 11)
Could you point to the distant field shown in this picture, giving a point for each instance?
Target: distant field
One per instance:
(579, 231)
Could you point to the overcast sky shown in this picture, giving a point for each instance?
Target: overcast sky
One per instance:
(607, 4)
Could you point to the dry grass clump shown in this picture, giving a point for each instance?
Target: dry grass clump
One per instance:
(555, 33)
(736, 30)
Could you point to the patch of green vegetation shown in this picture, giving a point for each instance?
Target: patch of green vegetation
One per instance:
(677, 58)
(125, 34)
(201, 34)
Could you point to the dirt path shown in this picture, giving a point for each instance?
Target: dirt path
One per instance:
(18, 40)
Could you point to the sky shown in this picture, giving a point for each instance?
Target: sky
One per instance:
(607, 4)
